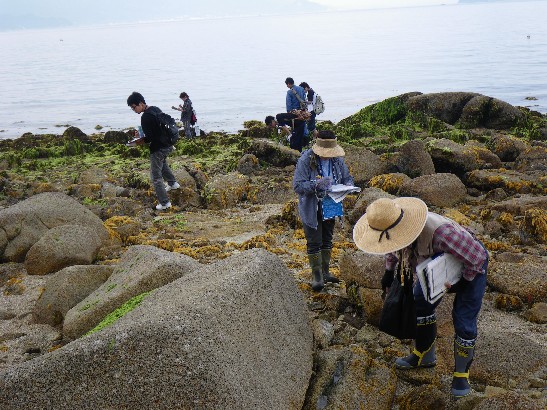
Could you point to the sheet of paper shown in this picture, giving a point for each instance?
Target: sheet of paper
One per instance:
(339, 191)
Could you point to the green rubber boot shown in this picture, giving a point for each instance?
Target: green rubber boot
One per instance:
(423, 354)
(464, 350)
(317, 275)
(325, 262)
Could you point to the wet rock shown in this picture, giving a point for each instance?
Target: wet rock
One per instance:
(532, 160)
(425, 397)
(75, 133)
(390, 183)
(273, 153)
(506, 147)
(512, 182)
(248, 164)
(508, 303)
(116, 137)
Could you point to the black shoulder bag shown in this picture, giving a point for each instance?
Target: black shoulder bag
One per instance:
(398, 316)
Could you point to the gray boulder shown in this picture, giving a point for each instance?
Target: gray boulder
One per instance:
(414, 160)
(66, 288)
(141, 269)
(512, 182)
(532, 160)
(232, 335)
(225, 191)
(60, 247)
(187, 195)
(24, 223)
(506, 147)
(443, 190)
(363, 165)
(367, 196)
(273, 153)
(451, 157)
(524, 279)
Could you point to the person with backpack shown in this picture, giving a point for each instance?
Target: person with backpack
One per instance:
(296, 108)
(160, 145)
(310, 98)
(186, 111)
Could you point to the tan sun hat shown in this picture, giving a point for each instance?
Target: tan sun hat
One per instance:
(390, 224)
(326, 145)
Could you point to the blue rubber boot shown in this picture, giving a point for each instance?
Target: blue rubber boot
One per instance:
(464, 350)
(423, 354)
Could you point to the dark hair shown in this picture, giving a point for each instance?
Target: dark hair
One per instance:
(269, 119)
(305, 85)
(326, 135)
(183, 94)
(289, 81)
(135, 99)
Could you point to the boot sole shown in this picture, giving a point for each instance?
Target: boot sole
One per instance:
(424, 366)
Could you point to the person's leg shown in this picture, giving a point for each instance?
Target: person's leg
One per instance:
(467, 305)
(166, 172)
(298, 135)
(313, 244)
(157, 160)
(187, 129)
(423, 354)
(326, 250)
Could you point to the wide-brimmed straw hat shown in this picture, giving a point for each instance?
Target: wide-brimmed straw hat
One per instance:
(327, 147)
(390, 224)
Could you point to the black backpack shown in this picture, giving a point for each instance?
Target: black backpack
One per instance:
(169, 129)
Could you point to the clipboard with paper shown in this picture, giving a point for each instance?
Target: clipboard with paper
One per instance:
(434, 272)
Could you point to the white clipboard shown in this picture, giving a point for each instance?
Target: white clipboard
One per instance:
(434, 272)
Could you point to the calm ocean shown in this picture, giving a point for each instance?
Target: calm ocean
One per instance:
(234, 68)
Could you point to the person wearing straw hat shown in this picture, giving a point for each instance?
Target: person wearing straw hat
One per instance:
(318, 168)
(405, 226)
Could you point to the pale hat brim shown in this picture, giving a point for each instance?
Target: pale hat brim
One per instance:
(400, 236)
(327, 148)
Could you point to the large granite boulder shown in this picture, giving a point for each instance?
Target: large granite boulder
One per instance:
(512, 182)
(367, 196)
(24, 223)
(187, 196)
(449, 156)
(443, 190)
(67, 288)
(414, 160)
(142, 268)
(506, 147)
(231, 335)
(62, 246)
(363, 165)
(469, 110)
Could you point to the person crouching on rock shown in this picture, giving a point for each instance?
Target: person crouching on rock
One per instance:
(405, 225)
(317, 170)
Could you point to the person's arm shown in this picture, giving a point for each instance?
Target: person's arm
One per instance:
(148, 124)
(463, 246)
(303, 184)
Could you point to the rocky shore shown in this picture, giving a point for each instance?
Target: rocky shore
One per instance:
(106, 303)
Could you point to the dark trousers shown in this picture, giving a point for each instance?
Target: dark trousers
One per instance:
(297, 126)
(320, 238)
(467, 304)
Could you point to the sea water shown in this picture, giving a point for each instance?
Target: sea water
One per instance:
(234, 68)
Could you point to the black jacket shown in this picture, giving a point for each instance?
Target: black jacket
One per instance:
(152, 130)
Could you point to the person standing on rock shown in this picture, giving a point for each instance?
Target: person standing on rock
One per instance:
(317, 170)
(311, 98)
(159, 146)
(186, 111)
(294, 101)
(405, 225)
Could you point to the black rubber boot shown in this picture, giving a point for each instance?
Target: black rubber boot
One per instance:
(464, 350)
(424, 353)
(317, 275)
(325, 262)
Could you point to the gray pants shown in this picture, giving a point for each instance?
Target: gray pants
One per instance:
(187, 128)
(159, 170)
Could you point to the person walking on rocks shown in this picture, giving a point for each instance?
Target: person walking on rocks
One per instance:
(405, 226)
(159, 146)
(317, 170)
(186, 111)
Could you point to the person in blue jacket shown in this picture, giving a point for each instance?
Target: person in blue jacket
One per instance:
(295, 93)
(317, 170)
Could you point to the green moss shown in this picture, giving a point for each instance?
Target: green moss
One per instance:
(119, 312)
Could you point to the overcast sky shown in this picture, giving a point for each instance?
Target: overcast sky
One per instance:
(16, 14)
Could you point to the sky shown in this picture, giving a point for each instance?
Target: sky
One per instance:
(21, 14)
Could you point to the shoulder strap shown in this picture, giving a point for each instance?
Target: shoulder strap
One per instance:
(297, 96)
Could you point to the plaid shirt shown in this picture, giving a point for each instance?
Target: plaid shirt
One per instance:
(459, 243)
